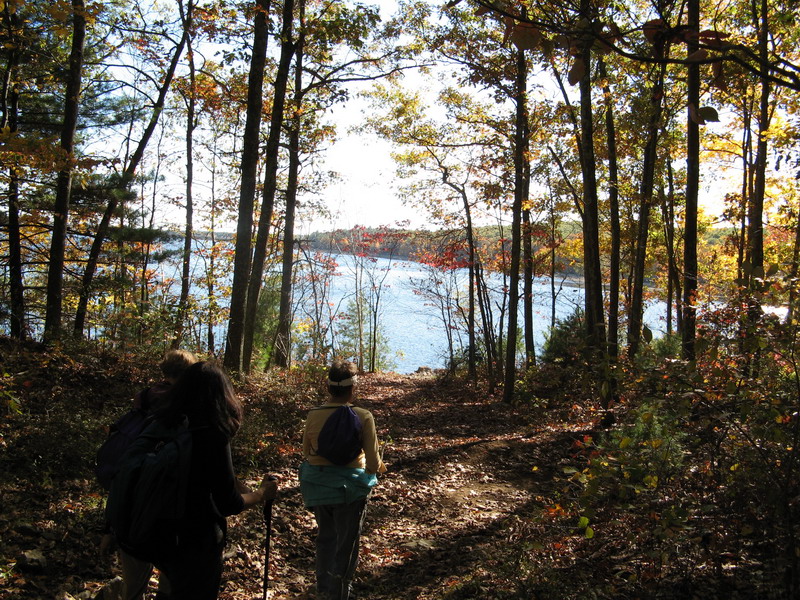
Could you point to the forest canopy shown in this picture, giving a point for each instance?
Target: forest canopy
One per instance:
(649, 150)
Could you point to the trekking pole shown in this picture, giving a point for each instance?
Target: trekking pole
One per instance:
(268, 525)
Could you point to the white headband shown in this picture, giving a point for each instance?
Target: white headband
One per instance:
(343, 382)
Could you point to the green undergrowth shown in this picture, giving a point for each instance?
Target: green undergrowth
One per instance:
(693, 486)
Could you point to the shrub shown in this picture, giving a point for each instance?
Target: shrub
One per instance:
(566, 341)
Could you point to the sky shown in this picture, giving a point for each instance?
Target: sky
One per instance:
(368, 190)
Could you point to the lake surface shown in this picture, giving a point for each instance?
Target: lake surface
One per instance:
(413, 329)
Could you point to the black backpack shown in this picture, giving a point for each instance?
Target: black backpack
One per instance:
(120, 436)
(340, 439)
(148, 494)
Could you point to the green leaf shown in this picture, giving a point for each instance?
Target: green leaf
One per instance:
(625, 442)
(583, 522)
(647, 334)
(589, 533)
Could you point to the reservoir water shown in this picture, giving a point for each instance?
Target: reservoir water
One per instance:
(414, 331)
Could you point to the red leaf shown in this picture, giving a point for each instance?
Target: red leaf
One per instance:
(652, 28)
(525, 36)
(509, 22)
(698, 55)
(695, 116)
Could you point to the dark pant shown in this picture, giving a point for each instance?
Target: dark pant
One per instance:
(194, 567)
(337, 547)
(136, 576)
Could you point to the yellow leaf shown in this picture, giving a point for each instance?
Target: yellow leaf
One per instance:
(577, 71)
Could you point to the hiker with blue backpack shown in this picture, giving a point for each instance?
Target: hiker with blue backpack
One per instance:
(342, 460)
(136, 573)
(176, 484)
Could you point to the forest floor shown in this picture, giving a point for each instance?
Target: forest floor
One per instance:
(474, 504)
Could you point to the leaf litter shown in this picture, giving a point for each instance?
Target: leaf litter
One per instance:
(476, 503)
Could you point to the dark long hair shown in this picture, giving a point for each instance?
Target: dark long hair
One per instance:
(206, 396)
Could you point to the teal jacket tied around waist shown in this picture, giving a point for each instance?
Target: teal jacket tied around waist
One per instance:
(325, 485)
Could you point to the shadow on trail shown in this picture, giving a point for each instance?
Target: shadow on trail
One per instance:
(446, 559)
(455, 556)
(467, 549)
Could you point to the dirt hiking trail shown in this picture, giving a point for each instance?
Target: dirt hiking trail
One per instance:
(462, 470)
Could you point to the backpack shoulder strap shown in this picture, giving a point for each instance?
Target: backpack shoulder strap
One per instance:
(142, 400)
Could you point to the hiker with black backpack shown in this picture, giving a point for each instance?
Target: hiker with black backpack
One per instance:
(176, 485)
(342, 460)
(136, 573)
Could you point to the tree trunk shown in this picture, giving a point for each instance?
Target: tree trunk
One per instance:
(747, 155)
(122, 186)
(247, 190)
(689, 308)
(674, 270)
(591, 243)
(613, 204)
(794, 270)
(55, 271)
(755, 229)
(520, 145)
(553, 233)
(460, 189)
(645, 201)
(668, 217)
(283, 336)
(487, 322)
(527, 287)
(17, 328)
(472, 372)
(272, 155)
(10, 110)
(188, 232)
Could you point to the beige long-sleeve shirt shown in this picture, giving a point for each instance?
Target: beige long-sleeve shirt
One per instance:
(369, 458)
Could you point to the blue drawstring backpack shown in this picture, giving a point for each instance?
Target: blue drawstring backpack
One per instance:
(340, 439)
